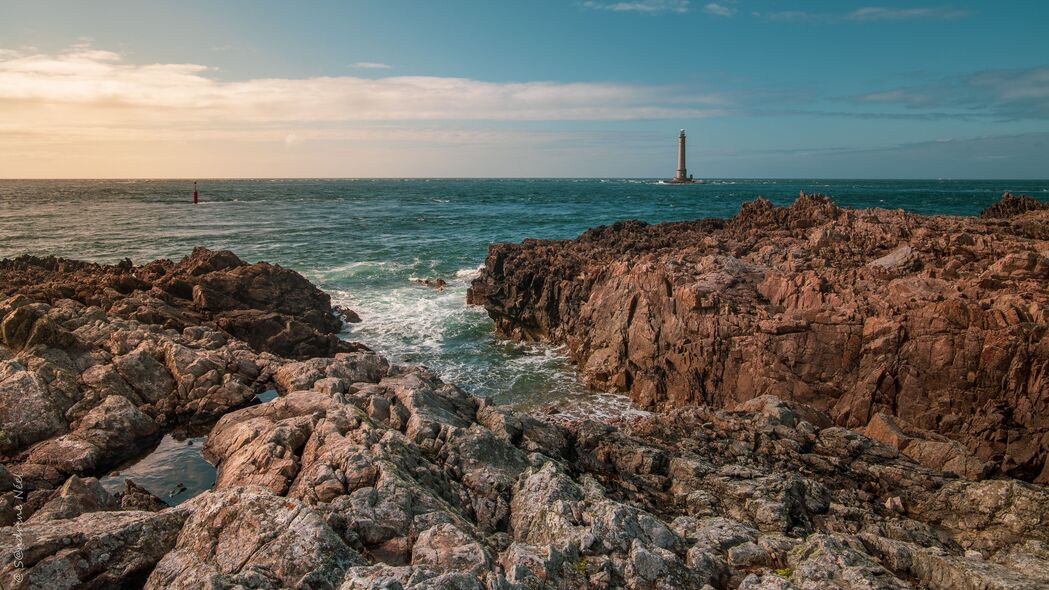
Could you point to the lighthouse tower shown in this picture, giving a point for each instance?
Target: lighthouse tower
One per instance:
(682, 176)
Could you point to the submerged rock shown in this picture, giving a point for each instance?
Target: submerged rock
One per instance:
(136, 497)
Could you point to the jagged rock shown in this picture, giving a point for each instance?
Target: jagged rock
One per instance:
(81, 409)
(95, 550)
(928, 448)
(75, 497)
(111, 431)
(1011, 205)
(250, 537)
(836, 561)
(436, 484)
(337, 374)
(363, 474)
(940, 321)
(272, 308)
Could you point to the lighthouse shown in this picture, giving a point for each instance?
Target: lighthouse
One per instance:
(682, 176)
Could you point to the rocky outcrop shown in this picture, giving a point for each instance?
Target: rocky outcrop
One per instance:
(97, 362)
(272, 308)
(407, 482)
(108, 387)
(366, 474)
(939, 321)
(1011, 205)
(108, 549)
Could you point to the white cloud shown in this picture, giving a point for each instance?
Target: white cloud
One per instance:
(88, 113)
(719, 9)
(1003, 93)
(644, 6)
(370, 65)
(98, 87)
(872, 13)
(865, 14)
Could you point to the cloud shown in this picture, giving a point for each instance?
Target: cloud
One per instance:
(875, 13)
(984, 157)
(643, 6)
(1001, 93)
(370, 65)
(719, 9)
(865, 14)
(92, 86)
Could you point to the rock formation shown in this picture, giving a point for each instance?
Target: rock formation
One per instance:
(406, 482)
(97, 362)
(366, 474)
(271, 308)
(939, 321)
(1011, 205)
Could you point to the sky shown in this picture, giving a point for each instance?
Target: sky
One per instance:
(543, 88)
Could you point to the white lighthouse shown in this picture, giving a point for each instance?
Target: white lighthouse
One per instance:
(682, 176)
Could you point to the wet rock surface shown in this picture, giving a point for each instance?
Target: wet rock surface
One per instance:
(367, 474)
(940, 322)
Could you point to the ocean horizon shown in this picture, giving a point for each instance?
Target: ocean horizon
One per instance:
(371, 242)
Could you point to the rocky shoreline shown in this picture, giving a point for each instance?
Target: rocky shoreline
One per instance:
(366, 474)
(931, 333)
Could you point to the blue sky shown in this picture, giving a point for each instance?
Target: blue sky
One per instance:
(771, 88)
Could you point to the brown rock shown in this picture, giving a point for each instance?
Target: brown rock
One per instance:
(940, 321)
(272, 308)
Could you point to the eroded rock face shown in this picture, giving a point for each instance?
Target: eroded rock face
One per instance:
(272, 308)
(940, 321)
(109, 549)
(111, 387)
(248, 537)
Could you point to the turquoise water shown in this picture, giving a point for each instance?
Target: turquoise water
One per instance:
(364, 240)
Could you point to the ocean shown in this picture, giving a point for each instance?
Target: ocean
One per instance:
(364, 241)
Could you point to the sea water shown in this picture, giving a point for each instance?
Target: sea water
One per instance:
(364, 241)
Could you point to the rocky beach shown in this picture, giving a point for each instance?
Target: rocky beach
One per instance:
(840, 398)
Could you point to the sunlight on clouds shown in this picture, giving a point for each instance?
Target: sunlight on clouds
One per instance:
(82, 81)
(70, 107)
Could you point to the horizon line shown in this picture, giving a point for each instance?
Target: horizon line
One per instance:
(408, 178)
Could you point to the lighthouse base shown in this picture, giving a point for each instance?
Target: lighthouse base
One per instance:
(681, 181)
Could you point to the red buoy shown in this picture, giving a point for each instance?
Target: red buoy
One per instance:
(195, 200)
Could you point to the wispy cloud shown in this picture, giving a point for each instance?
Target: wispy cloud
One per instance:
(643, 6)
(98, 84)
(719, 9)
(876, 13)
(370, 65)
(1002, 93)
(866, 14)
(985, 156)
